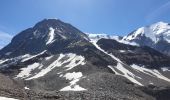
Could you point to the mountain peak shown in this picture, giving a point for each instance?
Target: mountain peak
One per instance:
(49, 23)
(42, 36)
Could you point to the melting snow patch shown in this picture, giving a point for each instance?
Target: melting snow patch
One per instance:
(73, 60)
(75, 77)
(5, 98)
(50, 36)
(56, 63)
(25, 72)
(26, 88)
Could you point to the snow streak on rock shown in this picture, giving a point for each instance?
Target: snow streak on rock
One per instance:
(50, 36)
(153, 73)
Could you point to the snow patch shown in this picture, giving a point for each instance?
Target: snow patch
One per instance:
(122, 51)
(26, 88)
(165, 69)
(73, 60)
(25, 72)
(74, 75)
(48, 58)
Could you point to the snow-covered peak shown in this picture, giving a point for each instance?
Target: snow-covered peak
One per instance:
(155, 32)
(99, 36)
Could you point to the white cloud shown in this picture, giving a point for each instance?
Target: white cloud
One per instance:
(5, 38)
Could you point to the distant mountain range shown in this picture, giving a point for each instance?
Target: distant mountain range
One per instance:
(54, 60)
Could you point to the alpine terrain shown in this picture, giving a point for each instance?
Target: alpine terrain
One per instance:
(53, 60)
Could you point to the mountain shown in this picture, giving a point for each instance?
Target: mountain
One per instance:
(41, 37)
(156, 36)
(55, 60)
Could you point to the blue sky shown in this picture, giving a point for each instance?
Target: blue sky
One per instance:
(117, 17)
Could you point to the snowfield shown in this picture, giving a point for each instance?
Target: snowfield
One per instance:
(5, 98)
(71, 61)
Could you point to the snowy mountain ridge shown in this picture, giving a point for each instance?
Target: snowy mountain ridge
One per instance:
(155, 32)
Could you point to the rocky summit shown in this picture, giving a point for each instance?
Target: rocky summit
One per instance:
(53, 60)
